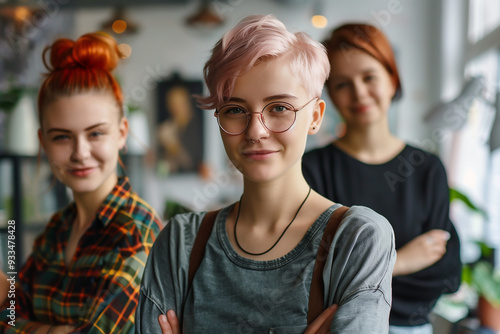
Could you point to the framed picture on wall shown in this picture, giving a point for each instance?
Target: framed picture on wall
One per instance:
(179, 126)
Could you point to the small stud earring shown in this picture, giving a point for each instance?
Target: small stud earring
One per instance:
(314, 128)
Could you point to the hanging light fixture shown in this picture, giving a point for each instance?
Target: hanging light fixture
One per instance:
(318, 20)
(206, 16)
(119, 23)
(18, 15)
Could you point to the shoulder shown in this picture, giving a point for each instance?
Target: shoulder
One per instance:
(363, 256)
(428, 167)
(180, 232)
(363, 222)
(141, 217)
(419, 157)
(318, 160)
(133, 228)
(58, 218)
(56, 222)
(46, 243)
(318, 152)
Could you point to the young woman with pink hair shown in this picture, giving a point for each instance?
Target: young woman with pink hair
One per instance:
(260, 256)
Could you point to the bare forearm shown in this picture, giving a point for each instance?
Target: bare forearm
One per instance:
(4, 287)
(421, 252)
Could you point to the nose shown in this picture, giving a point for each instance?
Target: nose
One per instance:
(359, 90)
(256, 128)
(81, 150)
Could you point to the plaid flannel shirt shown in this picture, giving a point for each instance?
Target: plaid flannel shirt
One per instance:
(99, 291)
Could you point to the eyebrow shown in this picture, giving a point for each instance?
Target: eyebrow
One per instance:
(365, 71)
(68, 131)
(266, 99)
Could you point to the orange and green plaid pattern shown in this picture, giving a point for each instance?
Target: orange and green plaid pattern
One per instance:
(99, 291)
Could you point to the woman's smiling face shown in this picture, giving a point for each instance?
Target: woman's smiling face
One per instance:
(360, 87)
(259, 154)
(81, 135)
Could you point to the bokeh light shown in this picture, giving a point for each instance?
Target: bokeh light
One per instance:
(319, 21)
(119, 26)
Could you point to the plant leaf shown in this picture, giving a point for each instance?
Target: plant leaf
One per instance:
(486, 283)
(467, 274)
(457, 195)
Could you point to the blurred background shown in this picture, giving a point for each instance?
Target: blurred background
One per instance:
(447, 52)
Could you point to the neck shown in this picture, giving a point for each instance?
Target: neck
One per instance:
(278, 239)
(88, 203)
(272, 203)
(86, 207)
(370, 144)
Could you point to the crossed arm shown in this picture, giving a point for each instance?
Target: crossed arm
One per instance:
(169, 323)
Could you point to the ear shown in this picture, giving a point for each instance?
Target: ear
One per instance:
(123, 132)
(317, 116)
(40, 139)
(393, 92)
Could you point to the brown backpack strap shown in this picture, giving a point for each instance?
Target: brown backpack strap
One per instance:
(316, 294)
(200, 242)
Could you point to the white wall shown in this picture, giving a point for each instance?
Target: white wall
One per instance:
(165, 44)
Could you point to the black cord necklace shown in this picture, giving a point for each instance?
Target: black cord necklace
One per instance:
(267, 251)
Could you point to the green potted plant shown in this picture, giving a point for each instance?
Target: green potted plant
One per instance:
(17, 103)
(138, 141)
(10, 98)
(482, 277)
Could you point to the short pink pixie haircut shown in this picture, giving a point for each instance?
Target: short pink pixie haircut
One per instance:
(259, 38)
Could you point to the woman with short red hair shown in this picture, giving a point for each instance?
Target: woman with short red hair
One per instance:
(369, 166)
(85, 269)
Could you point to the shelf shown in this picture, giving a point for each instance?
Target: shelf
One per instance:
(11, 155)
(96, 3)
(28, 197)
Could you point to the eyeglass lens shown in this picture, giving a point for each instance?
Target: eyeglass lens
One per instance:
(276, 116)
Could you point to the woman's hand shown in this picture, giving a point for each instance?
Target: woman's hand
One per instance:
(169, 323)
(62, 329)
(421, 252)
(59, 329)
(4, 287)
(322, 324)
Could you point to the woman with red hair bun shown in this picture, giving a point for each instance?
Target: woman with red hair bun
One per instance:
(85, 269)
(370, 166)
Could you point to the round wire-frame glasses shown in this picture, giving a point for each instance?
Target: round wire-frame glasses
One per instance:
(276, 117)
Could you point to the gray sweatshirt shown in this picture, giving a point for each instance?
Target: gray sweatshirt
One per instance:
(233, 294)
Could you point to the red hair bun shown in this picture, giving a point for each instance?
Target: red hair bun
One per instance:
(80, 66)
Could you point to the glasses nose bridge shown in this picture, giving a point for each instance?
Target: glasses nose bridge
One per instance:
(261, 118)
(249, 114)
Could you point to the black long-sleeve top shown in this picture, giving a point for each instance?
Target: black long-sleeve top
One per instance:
(412, 192)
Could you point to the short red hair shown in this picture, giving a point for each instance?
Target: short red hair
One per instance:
(80, 66)
(371, 40)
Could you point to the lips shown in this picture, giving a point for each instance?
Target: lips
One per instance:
(258, 154)
(81, 172)
(361, 108)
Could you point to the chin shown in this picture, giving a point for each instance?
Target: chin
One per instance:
(260, 177)
(85, 184)
(82, 187)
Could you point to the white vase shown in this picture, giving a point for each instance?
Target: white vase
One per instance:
(22, 127)
(138, 137)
